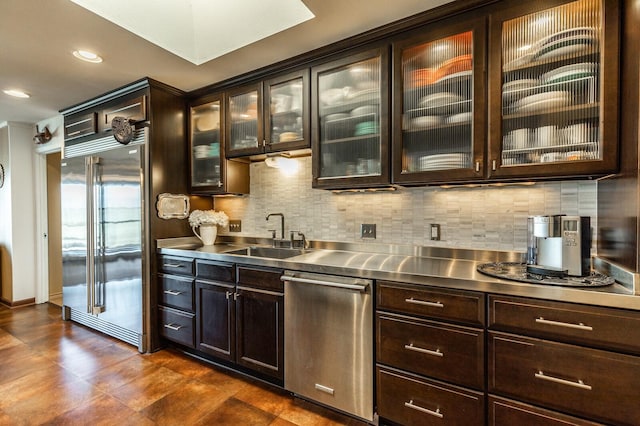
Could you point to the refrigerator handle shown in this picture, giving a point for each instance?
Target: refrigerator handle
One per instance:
(94, 258)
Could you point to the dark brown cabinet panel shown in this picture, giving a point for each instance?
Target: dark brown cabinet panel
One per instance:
(446, 352)
(350, 121)
(215, 307)
(260, 331)
(553, 79)
(586, 382)
(175, 265)
(286, 112)
(244, 121)
(439, 104)
(584, 325)
(503, 411)
(412, 400)
(78, 125)
(133, 108)
(176, 292)
(177, 326)
(458, 306)
(210, 170)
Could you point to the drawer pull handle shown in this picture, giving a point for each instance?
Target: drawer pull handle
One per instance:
(173, 327)
(325, 389)
(424, 303)
(173, 292)
(172, 265)
(579, 384)
(436, 413)
(580, 326)
(423, 351)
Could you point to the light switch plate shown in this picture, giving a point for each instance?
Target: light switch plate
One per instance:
(235, 225)
(368, 230)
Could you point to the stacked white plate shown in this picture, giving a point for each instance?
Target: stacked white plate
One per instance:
(566, 42)
(517, 89)
(439, 99)
(425, 121)
(454, 160)
(542, 101)
(570, 72)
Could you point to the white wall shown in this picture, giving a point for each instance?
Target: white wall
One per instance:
(486, 217)
(18, 231)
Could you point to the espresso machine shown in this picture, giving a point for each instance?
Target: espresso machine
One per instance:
(559, 245)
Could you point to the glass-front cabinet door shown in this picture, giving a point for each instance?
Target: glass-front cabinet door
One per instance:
(206, 124)
(554, 74)
(210, 172)
(286, 106)
(350, 122)
(244, 121)
(438, 100)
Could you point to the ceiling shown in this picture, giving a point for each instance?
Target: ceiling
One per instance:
(37, 38)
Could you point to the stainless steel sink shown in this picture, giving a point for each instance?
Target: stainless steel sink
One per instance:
(269, 252)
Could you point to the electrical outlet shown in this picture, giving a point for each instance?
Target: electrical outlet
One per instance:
(435, 232)
(235, 225)
(368, 230)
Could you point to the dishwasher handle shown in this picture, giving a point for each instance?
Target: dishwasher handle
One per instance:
(357, 287)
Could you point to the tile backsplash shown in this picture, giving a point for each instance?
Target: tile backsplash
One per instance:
(485, 217)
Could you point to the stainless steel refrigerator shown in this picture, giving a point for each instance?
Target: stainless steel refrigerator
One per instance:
(103, 236)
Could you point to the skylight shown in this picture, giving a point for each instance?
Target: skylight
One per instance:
(201, 30)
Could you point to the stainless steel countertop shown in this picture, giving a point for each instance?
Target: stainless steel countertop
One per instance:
(438, 267)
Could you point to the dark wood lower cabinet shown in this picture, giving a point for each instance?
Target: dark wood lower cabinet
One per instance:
(590, 383)
(259, 331)
(408, 399)
(215, 332)
(505, 412)
(242, 322)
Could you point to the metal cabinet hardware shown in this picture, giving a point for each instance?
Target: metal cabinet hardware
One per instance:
(410, 347)
(436, 413)
(578, 384)
(424, 302)
(173, 327)
(173, 292)
(324, 389)
(579, 326)
(356, 287)
(228, 294)
(494, 165)
(172, 265)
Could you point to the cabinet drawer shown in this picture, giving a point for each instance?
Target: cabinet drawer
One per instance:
(79, 125)
(411, 400)
(268, 279)
(134, 109)
(607, 328)
(586, 382)
(506, 412)
(175, 265)
(442, 351)
(177, 326)
(460, 306)
(215, 271)
(176, 291)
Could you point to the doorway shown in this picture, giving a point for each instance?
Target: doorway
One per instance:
(54, 229)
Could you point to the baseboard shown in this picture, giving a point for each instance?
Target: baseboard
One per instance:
(18, 303)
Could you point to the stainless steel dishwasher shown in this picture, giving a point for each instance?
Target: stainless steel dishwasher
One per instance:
(328, 340)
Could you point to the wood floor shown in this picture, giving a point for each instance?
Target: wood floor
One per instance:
(57, 372)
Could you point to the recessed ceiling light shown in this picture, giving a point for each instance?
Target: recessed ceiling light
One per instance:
(85, 55)
(17, 93)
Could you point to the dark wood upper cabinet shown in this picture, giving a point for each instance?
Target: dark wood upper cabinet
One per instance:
(210, 171)
(553, 79)
(286, 112)
(439, 104)
(244, 125)
(350, 121)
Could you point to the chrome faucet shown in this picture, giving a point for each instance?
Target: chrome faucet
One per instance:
(281, 222)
